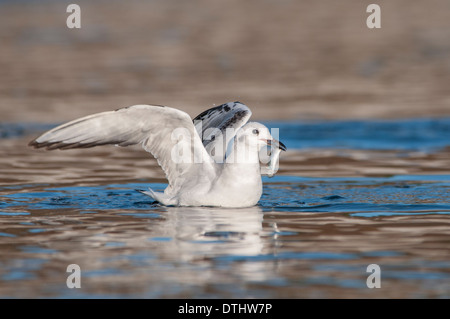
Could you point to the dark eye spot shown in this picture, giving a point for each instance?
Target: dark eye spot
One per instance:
(255, 131)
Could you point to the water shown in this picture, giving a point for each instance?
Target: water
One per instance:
(341, 202)
(424, 134)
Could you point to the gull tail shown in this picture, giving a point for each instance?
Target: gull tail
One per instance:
(159, 197)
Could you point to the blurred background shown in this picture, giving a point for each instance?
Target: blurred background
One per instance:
(285, 59)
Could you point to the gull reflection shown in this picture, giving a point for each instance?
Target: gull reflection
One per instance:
(210, 232)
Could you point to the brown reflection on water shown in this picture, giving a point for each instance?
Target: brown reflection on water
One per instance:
(86, 166)
(329, 163)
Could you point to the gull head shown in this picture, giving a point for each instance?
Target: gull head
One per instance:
(257, 135)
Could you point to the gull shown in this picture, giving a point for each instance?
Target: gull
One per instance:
(216, 159)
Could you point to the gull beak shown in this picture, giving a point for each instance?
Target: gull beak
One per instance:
(276, 143)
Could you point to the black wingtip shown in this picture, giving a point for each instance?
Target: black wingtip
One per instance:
(35, 144)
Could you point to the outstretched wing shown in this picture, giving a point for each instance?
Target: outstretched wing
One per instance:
(218, 126)
(167, 133)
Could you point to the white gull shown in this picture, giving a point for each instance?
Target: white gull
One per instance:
(214, 160)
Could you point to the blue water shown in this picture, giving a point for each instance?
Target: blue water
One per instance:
(360, 196)
(421, 134)
(10, 130)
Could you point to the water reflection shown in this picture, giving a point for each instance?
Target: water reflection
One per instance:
(206, 231)
(151, 251)
(204, 236)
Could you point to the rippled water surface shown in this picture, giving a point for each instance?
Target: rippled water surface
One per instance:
(348, 194)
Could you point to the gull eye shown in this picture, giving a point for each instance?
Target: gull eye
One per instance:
(255, 131)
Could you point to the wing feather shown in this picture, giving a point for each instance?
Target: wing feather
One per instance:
(218, 126)
(149, 125)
